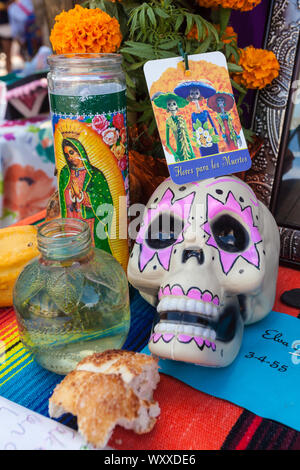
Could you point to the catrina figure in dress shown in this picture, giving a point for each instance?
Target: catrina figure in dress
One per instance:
(83, 188)
(205, 131)
(176, 123)
(221, 103)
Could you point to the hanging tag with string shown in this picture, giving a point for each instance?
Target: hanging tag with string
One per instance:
(196, 116)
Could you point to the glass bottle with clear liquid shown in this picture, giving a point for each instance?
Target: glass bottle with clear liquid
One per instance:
(72, 300)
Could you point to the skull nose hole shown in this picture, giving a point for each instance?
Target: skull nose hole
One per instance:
(187, 254)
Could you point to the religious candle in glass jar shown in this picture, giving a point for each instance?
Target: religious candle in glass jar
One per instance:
(88, 106)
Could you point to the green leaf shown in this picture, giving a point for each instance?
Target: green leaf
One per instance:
(140, 35)
(128, 59)
(205, 125)
(189, 23)
(199, 27)
(168, 44)
(238, 87)
(179, 21)
(135, 66)
(212, 29)
(146, 52)
(224, 19)
(151, 16)
(231, 50)
(130, 94)
(187, 47)
(65, 288)
(234, 67)
(129, 81)
(138, 45)
(132, 23)
(143, 20)
(160, 12)
(32, 280)
(203, 46)
(162, 54)
(249, 134)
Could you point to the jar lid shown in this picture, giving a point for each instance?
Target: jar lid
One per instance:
(82, 60)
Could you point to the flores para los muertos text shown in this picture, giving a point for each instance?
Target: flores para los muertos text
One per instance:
(156, 459)
(225, 161)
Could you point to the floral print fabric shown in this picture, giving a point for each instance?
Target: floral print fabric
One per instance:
(27, 166)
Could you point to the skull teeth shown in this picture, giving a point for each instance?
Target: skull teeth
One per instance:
(183, 304)
(165, 328)
(193, 293)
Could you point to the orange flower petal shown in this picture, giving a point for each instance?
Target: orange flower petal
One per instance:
(80, 29)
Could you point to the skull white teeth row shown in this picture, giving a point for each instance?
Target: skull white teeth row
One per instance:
(183, 304)
(175, 328)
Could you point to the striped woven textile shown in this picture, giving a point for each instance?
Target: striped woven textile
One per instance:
(189, 419)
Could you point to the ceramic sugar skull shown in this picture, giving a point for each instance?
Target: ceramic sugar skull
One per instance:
(206, 257)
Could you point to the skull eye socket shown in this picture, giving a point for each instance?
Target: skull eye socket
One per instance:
(163, 231)
(229, 234)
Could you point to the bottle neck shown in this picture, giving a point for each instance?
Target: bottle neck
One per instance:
(64, 239)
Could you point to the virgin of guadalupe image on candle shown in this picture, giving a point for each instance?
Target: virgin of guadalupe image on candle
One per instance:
(221, 103)
(87, 192)
(205, 132)
(176, 124)
(83, 188)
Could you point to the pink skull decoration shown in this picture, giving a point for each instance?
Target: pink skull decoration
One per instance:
(206, 257)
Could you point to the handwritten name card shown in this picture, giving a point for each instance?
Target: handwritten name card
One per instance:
(23, 429)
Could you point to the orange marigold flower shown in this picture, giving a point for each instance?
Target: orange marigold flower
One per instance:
(242, 5)
(228, 36)
(81, 30)
(260, 68)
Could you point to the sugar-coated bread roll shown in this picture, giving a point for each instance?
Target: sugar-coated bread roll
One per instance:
(65, 395)
(108, 389)
(139, 371)
(98, 413)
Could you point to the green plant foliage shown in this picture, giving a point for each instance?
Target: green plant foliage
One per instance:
(153, 30)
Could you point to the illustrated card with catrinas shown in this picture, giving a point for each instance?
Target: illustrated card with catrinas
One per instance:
(197, 117)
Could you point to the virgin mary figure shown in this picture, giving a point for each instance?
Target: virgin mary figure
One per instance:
(82, 190)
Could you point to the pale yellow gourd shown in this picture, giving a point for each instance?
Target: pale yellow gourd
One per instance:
(18, 245)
